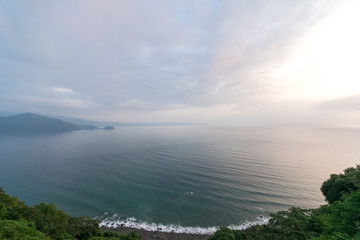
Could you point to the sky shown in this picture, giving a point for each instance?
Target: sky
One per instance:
(255, 62)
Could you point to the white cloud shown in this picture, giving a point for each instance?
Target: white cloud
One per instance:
(58, 102)
(62, 90)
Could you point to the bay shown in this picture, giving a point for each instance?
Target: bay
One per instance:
(189, 176)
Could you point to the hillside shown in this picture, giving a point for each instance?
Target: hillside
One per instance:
(30, 123)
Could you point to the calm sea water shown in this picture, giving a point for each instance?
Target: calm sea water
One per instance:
(193, 176)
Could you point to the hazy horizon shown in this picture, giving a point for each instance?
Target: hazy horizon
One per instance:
(210, 62)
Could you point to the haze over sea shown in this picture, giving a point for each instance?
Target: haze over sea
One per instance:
(191, 176)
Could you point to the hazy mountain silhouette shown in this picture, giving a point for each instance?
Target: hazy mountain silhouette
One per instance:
(101, 124)
(30, 123)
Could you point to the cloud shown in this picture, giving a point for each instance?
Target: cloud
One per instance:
(62, 90)
(57, 102)
(153, 59)
(351, 103)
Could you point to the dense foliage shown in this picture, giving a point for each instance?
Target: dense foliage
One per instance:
(46, 222)
(341, 184)
(338, 220)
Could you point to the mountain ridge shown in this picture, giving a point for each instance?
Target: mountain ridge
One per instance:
(30, 123)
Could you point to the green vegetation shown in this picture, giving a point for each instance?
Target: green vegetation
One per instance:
(340, 185)
(338, 220)
(46, 222)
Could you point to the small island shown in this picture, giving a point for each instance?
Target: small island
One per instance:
(109, 128)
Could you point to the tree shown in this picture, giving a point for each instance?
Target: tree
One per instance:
(223, 234)
(49, 220)
(339, 217)
(83, 227)
(341, 184)
(19, 230)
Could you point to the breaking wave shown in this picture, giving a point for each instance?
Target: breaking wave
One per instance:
(115, 222)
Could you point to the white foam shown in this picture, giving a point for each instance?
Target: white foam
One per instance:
(132, 222)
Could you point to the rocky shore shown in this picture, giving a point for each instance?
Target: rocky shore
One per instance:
(157, 235)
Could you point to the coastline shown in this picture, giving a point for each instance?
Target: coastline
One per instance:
(157, 235)
(169, 232)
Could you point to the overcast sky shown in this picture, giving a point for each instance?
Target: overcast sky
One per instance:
(223, 62)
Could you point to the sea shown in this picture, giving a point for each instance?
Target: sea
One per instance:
(189, 179)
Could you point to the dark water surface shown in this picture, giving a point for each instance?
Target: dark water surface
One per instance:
(190, 176)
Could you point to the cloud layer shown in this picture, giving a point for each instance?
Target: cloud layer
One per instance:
(205, 61)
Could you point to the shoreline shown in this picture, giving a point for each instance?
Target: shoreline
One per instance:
(170, 232)
(157, 235)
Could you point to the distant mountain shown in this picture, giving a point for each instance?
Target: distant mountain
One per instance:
(80, 121)
(30, 123)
